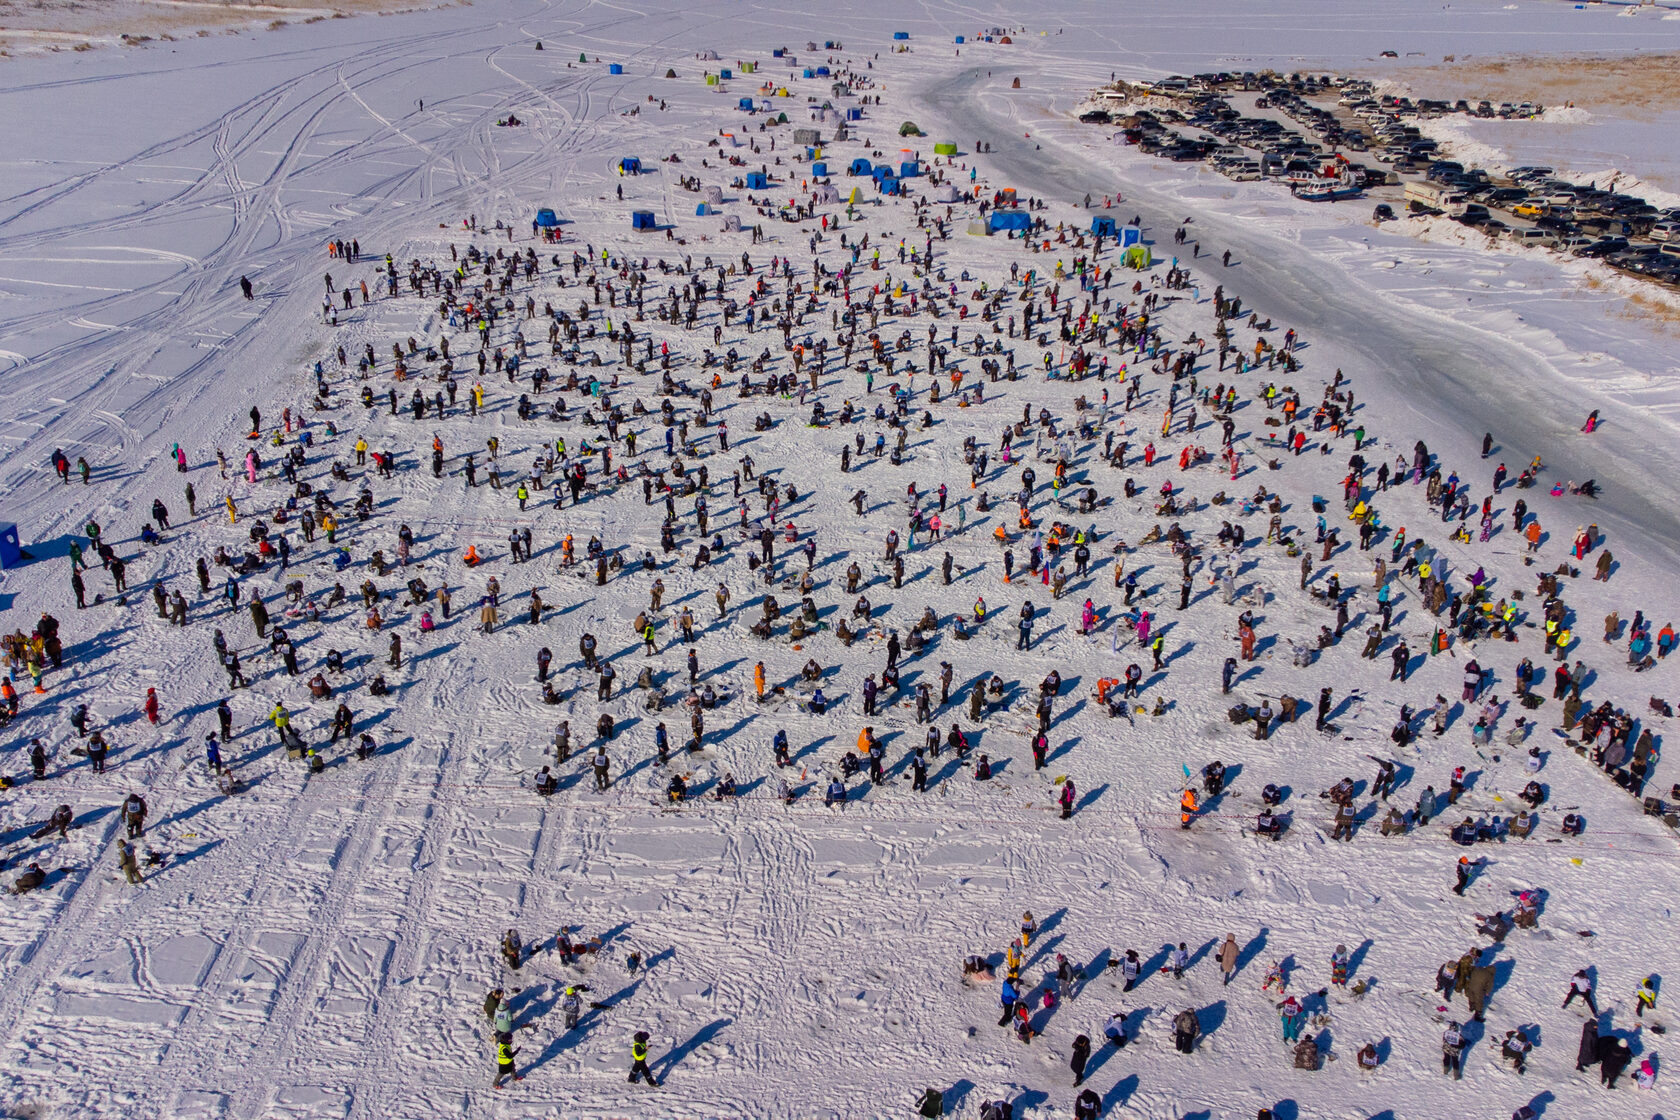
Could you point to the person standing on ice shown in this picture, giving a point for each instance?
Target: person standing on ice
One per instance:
(638, 1060)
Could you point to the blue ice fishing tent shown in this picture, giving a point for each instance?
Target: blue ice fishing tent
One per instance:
(822, 72)
(702, 210)
(630, 165)
(909, 170)
(757, 181)
(745, 103)
(726, 74)
(779, 52)
(11, 550)
(901, 34)
(1009, 220)
(642, 219)
(614, 68)
(959, 38)
(1130, 235)
(890, 185)
(808, 73)
(860, 166)
(819, 168)
(546, 219)
(1103, 226)
(854, 114)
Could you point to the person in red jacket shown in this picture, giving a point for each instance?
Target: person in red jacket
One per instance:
(152, 705)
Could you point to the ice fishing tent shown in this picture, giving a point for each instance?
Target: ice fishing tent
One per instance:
(979, 229)
(901, 34)
(745, 103)
(827, 193)
(949, 193)
(909, 169)
(702, 210)
(714, 196)
(819, 168)
(854, 114)
(840, 89)
(546, 219)
(1009, 220)
(822, 72)
(945, 149)
(11, 549)
(757, 181)
(883, 172)
(807, 136)
(855, 197)
(890, 185)
(614, 68)
(860, 166)
(713, 56)
(1136, 257)
(731, 224)
(779, 52)
(1130, 235)
(726, 74)
(1103, 226)
(643, 219)
(630, 165)
(808, 73)
(909, 128)
(959, 39)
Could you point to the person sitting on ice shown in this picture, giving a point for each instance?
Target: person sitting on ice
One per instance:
(677, 790)
(975, 965)
(1269, 825)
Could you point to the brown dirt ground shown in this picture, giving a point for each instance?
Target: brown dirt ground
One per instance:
(32, 25)
(1635, 85)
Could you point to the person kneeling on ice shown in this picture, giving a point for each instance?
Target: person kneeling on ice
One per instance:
(1115, 1030)
(836, 794)
(546, 783)
(983, 769)
(975, 965)
(677, 790)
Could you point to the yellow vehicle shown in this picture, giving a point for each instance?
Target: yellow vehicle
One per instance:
(1531, 210)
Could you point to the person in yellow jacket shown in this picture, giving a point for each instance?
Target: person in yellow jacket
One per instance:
(280, 716)
(361, 451)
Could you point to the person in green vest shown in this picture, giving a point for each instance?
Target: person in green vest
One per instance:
(638, 1059)
(504, 1061)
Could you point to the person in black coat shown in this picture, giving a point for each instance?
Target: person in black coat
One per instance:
(1587, 1055)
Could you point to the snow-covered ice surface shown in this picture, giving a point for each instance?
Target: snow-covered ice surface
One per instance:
(320, 946)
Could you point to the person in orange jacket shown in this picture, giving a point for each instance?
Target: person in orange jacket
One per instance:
(1187, 807)
(758, 680)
